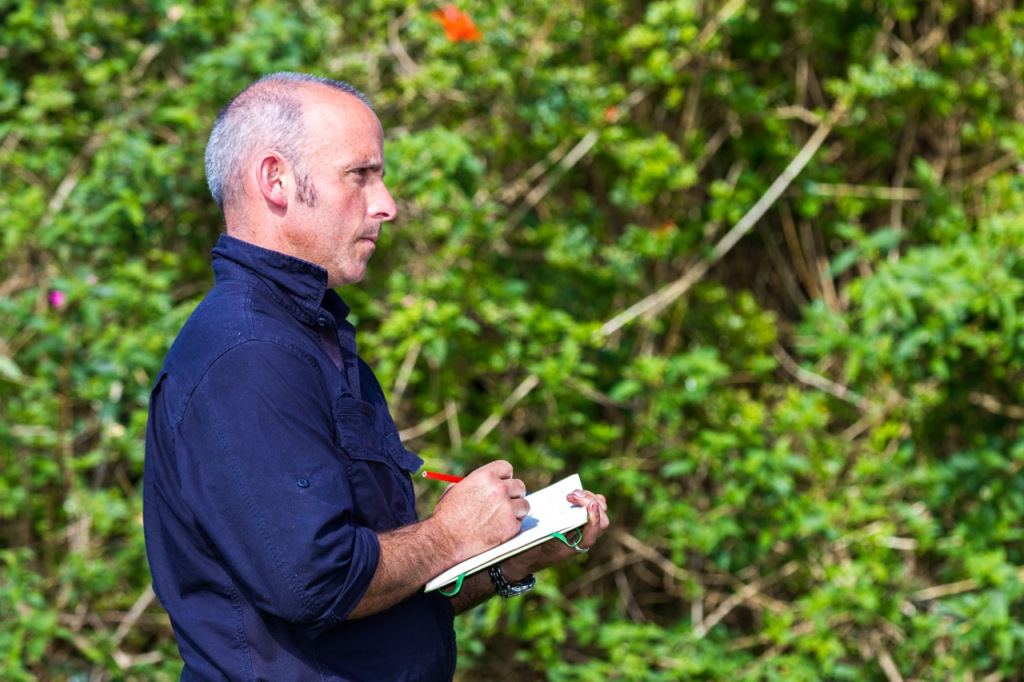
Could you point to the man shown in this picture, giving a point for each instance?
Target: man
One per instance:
(279, 513)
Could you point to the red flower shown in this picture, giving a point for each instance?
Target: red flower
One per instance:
(457, 24)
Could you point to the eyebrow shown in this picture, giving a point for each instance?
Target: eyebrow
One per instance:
(368, 165)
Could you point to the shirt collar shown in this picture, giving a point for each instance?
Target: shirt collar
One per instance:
(295, 281)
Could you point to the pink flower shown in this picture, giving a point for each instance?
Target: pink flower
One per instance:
(58, 298)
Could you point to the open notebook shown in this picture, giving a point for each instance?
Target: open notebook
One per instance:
(550, 513)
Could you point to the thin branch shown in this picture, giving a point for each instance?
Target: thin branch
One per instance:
(820, 263)
(126, 661)
(986, 172)
(395, 41)
(11, 141)
(649, 553)
(817, 381)
(796, 252)
(781, 183)
(865, 192)
(522, 390)
(655, 303)
(952, 589)
(96, 140)
(598, 571)
(402, 381)
(803, 113)
(146, 58)
(428, 425)
(628, 598)
(140, 605)
(748, 591)
(885, 660)
(711, 27)
(535, 195)
(992, 405)
(621, 109)
(454, 432)
(789, 281)
(521, 185)
(595, 396)
(67, 185)
(533, 51)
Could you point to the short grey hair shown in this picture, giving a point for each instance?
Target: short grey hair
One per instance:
(268, 113)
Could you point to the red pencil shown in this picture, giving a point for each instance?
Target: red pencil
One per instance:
(441, 477)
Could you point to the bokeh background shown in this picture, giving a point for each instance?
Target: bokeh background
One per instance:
(753, 268)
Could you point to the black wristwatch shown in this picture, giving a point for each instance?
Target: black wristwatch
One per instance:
(506, 589)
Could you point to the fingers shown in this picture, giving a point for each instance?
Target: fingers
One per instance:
(499, 468)
(597, 516)
(501, 471)
(520, 507)
(585, 498)
(447, 490)
(488, 506)
(515, 488)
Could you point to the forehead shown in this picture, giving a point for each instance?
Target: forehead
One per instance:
(341, 123)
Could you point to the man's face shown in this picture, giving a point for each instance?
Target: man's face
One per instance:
(338, 225)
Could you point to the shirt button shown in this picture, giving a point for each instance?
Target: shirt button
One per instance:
(303, 482)
(321, 321)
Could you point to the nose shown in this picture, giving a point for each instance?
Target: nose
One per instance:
(382, 206)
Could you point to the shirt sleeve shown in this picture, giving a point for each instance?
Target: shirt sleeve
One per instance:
(263, 475)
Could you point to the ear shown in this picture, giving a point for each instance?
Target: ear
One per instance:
(272, 178)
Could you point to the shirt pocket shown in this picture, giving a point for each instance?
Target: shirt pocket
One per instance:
(406, 459)
(377, 471)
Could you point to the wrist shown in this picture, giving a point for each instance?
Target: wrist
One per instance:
(506, 588)
(516, 569)
(447, 543)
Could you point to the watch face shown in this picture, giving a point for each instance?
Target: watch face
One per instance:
(525, 585)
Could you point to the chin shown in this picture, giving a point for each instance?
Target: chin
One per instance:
(347, 278)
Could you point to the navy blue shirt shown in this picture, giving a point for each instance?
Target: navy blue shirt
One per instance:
(272, 462)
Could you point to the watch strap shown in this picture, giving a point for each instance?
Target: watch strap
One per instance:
(506, 589)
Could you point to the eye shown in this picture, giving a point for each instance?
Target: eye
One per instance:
(364, 174)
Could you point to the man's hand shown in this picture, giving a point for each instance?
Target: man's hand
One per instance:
(477, 588)
(554, 551)
(483, 510)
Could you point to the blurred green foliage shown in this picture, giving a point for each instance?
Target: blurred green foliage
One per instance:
(812, 454)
